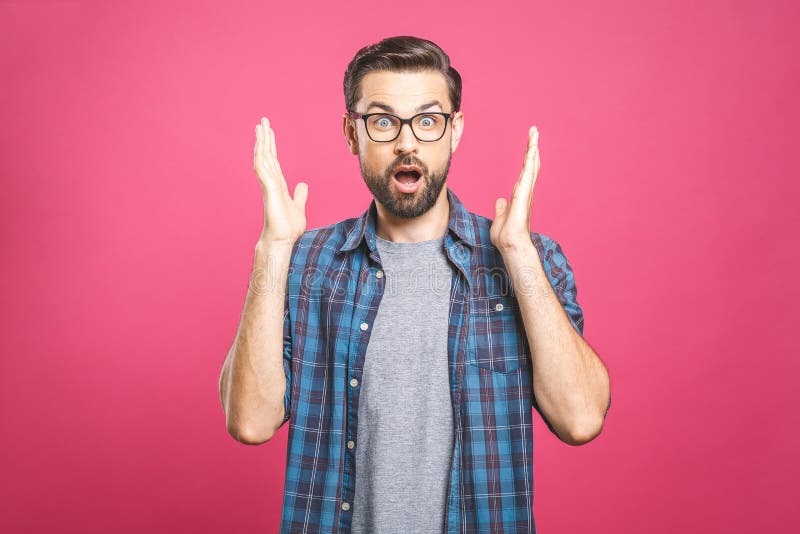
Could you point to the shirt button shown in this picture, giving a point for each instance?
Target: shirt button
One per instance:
(379, 274)
(351, 444)
(353, 382)
(498, 307)
(364, 326)
(345, 506)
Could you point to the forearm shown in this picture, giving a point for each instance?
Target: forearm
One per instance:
(571, 383)
(252, 381)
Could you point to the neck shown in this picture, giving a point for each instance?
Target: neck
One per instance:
(429, 225)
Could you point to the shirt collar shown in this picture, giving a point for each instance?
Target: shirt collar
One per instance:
(364, 227)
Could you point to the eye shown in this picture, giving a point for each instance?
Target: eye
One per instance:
(428, 121)
(383, 121)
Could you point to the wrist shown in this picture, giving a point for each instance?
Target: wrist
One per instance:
(518, 250)
(271, 267)
(272, 255)
(273, 247)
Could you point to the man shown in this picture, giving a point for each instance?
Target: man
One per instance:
(404, 346)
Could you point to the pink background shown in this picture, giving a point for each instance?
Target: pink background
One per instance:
(130, 210)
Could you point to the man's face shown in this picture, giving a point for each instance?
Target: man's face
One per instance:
(403, 94)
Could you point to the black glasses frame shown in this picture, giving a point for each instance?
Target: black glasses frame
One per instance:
(365, 116)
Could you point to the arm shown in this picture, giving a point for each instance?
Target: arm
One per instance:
(252, 381)
(571, 384)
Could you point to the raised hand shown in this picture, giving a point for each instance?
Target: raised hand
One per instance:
(511, 226)
(284, 216)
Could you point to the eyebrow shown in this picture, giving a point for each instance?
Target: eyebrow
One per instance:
(389, 109)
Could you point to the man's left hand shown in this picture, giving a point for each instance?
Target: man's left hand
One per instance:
(511, 226)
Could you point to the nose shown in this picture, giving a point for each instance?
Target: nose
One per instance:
(405, 142)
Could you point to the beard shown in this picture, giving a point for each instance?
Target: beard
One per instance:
(406, 205)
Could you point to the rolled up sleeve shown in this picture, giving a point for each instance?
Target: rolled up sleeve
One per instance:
(287, 361)
(562, 278)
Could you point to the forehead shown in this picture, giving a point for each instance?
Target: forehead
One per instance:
(403, 91)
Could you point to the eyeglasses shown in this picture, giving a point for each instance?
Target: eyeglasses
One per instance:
(385, 127)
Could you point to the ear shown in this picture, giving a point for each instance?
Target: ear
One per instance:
(349, 129)
(458, 129)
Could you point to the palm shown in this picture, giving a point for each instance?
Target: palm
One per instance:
(511, 225)
(284, 216)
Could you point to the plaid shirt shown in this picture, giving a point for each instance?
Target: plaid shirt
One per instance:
(334, 290)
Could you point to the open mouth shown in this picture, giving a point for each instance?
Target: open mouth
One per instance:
(407, 177)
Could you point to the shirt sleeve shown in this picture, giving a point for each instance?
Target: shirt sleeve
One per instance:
(562, 279)
(287, 360)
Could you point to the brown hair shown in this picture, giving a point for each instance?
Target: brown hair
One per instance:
(403, 53)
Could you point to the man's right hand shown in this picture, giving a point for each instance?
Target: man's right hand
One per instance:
(284, 216)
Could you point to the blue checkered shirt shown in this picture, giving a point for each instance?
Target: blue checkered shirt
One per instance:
(334, 290)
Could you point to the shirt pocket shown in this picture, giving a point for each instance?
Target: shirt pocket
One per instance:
(496, 335)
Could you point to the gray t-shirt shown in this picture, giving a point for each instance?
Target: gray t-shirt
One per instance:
(404, 444)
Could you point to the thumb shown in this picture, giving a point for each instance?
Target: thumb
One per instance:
(301, 194)
(500, 206)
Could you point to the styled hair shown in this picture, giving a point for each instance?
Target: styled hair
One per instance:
(402, 53)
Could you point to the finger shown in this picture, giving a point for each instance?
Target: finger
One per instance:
(523, 190)
(265, 139)
(266, 157)
(261, 158)
(270, 151)
(273, 154)
(301, 194)
(500, 206)
(258, 147)
(530, 155)
(267, 136)
(272, 144)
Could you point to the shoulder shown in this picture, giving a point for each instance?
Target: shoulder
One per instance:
(322, 238)
(316, 248)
